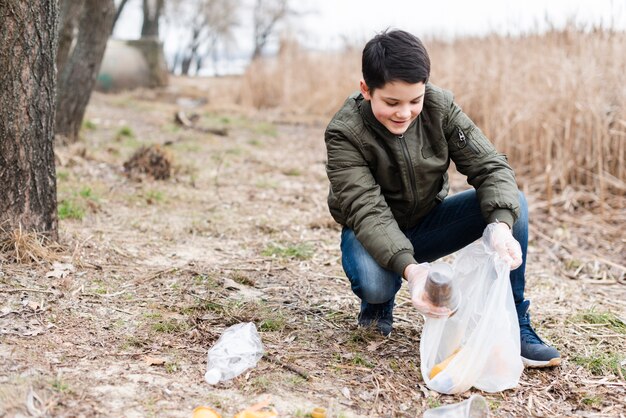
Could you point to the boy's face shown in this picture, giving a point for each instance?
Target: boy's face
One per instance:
(396, 104)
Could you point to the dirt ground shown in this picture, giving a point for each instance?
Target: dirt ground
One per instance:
(118, 321)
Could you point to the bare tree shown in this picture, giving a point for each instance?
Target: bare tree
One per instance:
(118, 13)
(210, 23)
(267, 14)
(152, 10)
(80, 73)
(28, 42)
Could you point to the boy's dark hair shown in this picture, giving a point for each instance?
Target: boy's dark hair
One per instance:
(394, 55)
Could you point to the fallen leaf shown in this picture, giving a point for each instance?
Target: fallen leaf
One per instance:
(373, 346)
(60, 270)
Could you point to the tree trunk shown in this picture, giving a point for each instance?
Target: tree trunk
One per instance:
(151, 13)
(28, 44)
(80, 73)
(68, 16)
(186, 64)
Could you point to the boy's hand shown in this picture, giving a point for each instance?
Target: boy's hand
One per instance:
(416, 275)
(499, 236)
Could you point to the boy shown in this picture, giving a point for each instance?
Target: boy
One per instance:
(389, 148)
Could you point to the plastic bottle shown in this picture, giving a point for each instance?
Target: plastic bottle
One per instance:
(238, 349)
(474, 407)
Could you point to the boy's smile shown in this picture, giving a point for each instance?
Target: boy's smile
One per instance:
(396, 104)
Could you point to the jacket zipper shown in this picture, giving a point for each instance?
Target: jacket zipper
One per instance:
(464, 142)
(407, 157)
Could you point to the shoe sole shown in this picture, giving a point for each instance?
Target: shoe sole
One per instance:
(537, 364)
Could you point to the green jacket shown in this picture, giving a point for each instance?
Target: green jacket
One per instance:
(381, 184)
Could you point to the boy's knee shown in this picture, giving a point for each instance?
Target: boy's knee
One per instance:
(377, 291)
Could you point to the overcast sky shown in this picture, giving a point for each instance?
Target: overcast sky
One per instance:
(326, 24)
(362, 18)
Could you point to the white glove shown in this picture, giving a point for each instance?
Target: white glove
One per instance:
(499, 236)
(416, 275)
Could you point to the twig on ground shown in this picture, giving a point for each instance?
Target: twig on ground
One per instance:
(26, 289)
(302, 373)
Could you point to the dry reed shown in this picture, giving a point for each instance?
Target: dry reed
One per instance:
(555, 103)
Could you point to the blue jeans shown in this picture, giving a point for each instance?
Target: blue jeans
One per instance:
(450, 226)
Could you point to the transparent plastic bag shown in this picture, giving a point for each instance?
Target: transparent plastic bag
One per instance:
(479, 345)
(238, 349)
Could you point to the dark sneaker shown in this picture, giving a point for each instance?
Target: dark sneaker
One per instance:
(535, 352)
(379, 316)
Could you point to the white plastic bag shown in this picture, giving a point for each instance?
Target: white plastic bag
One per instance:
(238, 349)
(484, 332)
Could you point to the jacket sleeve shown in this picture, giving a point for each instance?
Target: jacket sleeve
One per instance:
(362, 204)
(487, 170)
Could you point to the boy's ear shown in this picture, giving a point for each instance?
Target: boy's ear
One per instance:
(365, 90)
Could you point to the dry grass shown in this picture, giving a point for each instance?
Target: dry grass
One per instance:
(23, 247)
(554, 103)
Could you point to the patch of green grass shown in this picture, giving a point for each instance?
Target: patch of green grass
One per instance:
(293, 172)
(205, 280)
(171, 128)
(171, 326)
(187, 146)
(89, 125)
(591, 400)
(69, 209)
(297, 251)
(153, 315)
(360, 360)
(172, 367)
(433, 402)
(63, 175)
(602, 318)
(296, 381)
(494, 404)
(154, 196)
(266, 128)
(266, 184)
(276, 323)
(202, 306)
(361, 335)
(133, 342)
(261, 383)
(124, 132)
(255, 142)
(601, 363)
(60, 386)
(87, 193)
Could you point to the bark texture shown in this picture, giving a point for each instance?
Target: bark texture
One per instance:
(69, 13)
(28, 43)
(81, 70)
